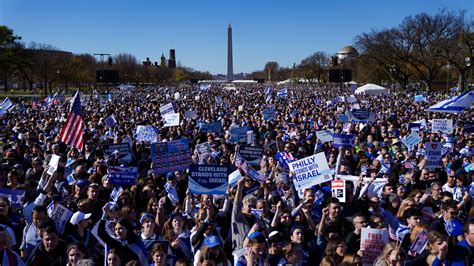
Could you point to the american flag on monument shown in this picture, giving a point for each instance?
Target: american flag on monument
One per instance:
(71, 133)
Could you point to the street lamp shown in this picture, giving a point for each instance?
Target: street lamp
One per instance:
(468, 64)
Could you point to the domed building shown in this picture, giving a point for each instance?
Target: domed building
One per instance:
(346, 53)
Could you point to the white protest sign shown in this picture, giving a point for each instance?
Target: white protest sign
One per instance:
(145, 133)
(234, 177)
(372, 242)
(249, 137)
(60, 215)
(443, 125)
(171, 119)
(310, 171)
(177, 96)
(325, 135)
(53, 164)
(204, 151)
(167, 109)
(411, 140)
(372, 190)
(338, 188)
(433, 154)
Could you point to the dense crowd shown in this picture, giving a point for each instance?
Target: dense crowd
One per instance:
(263, 221)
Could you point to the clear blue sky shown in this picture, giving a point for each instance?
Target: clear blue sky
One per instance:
(263, 30)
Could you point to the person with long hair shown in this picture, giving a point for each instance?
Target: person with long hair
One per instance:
(113, 258)
(351, 259)
(334, 253)
(128, 245)
(159, 254)
(76, 252)
(179, 237)
(391, 256)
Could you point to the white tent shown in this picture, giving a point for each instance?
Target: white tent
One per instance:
(371, 89)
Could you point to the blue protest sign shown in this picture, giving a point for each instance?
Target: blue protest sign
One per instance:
(146, 133)
(14, 196)
(419, 98)
(170, 156)
(360, 115)
(344, 140)
(342, 118)
(239, 134)
(269, 114)
(208, 179)
(215, 127)
(468, 127)
(251, 154)
(124, 176)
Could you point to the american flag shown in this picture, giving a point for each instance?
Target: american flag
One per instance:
(71, 133)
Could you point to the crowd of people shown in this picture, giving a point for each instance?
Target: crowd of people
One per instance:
(426, 211)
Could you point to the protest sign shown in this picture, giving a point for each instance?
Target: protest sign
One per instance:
(208, 179)
(53, 164)
(146, 133)
(360, 115)
(170, 156)
(414, 127)
(214, 127)
(411, 140)
(60, 215)
(284, 159)
(373, 189)
(442, 125)
(338, 188)
(269, 114)
(468, 127)
(167, 109)
(343, 140)
(372, 242)
(325, 135)
(250, 137)
(419, 98)
(124, 176)
(234, 177)
(419, 244)
(433, 154)
(190, 114)
(204, 151)
(15, 196)
(118, 151)
(171, 119)
(251, 154)
(110, 121)
(239, 134)
(342, 118)
(310, 171)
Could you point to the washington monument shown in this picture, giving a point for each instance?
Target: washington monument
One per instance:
(230, 69)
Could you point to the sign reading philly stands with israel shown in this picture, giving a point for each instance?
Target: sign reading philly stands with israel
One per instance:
(208, 179)
(310, 171)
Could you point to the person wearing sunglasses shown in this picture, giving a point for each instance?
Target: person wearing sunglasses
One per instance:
(448, 224)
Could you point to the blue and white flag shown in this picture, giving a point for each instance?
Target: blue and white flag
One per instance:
(110, 121)
(205, 87)
(115, 193)
(283, 93)
(6, 105)
(50, 99)
(268, 90)
(167, 109)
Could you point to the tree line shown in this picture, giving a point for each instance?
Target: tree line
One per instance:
(423, 48)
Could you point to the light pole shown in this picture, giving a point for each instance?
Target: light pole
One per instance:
(468, 64)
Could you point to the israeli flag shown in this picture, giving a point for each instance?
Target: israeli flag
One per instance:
(283, 93)
(268, 90)
(205, 87)
(6, 105)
